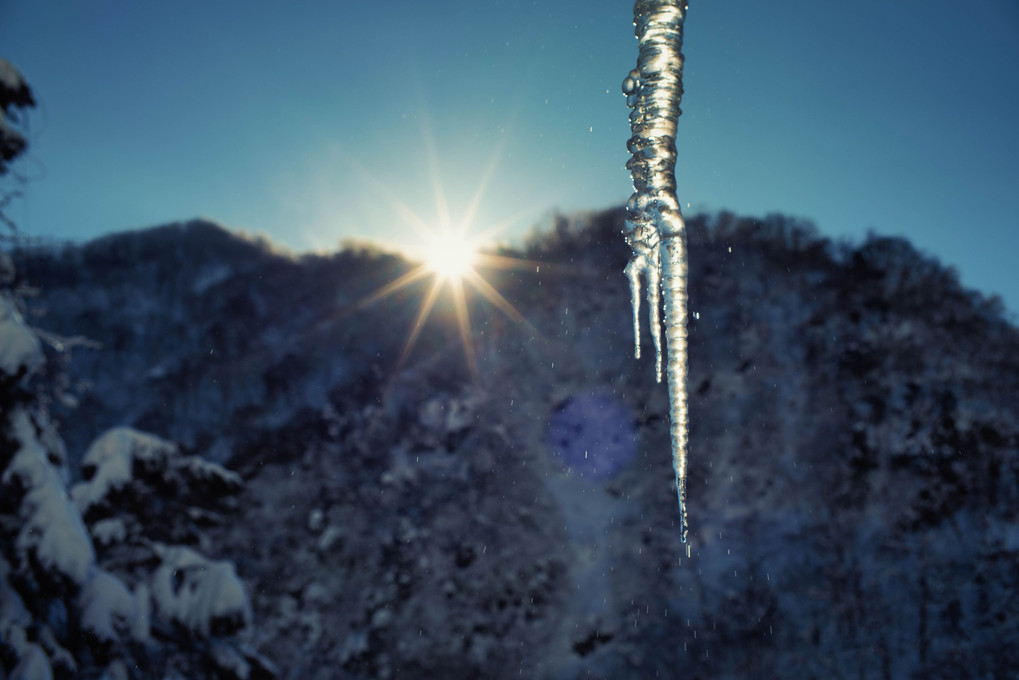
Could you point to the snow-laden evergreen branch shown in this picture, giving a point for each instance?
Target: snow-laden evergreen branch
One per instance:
(655, 229)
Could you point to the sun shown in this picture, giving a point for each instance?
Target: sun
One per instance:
(451, 252)
(453, 261)
(450, 256)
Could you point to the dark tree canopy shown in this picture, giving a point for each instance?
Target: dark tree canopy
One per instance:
(15, 98)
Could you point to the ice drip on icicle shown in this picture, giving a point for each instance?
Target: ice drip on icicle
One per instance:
(655, 230)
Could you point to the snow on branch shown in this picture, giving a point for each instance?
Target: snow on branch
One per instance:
(20, 350)
(203, 596)
(109, 609)
(124, 456)
(52, 535)
(110, 463)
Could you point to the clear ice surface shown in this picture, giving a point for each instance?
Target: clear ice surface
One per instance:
(655, 230)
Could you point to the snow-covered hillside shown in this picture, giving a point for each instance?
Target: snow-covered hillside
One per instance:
(854, 470)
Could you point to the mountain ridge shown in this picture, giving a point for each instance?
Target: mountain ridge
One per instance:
(853, 437)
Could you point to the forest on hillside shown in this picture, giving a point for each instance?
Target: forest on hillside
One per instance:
(853, 464)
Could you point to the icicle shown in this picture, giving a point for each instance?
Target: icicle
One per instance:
(648, 265)
(655, 229)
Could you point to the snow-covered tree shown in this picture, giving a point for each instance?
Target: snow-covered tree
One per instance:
(140, 598)
(120, 591)
(115, 590)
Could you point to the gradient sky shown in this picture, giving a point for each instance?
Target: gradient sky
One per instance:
(307, 121)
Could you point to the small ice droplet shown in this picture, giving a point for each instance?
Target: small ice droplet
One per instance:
(630, 82)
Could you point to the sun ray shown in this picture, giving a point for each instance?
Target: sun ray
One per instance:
(486, 177)
(456, 277)
(463, 321)
(441, 206)
(408, 216)
(507, 263)
(491, 232)
(419, 322)
(450, 253)
(493, 296)
(410, 277)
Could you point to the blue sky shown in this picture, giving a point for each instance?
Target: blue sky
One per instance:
(310, 121)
